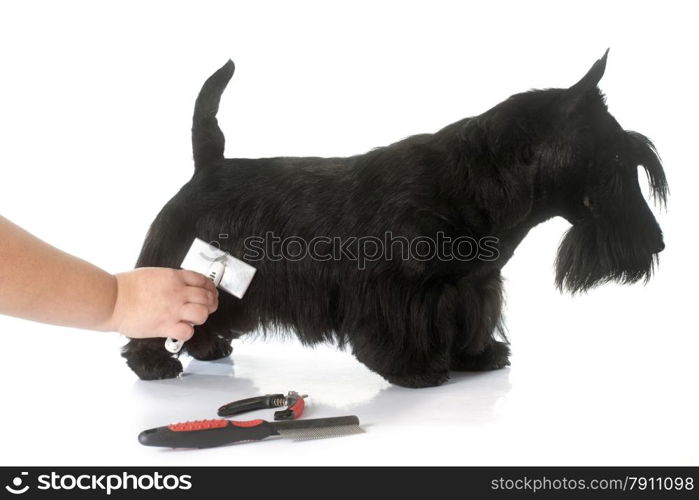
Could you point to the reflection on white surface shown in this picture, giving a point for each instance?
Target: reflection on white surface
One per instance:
(343, 387)
(563, 401)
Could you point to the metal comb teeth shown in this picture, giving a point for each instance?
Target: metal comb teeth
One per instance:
(320, 432)
(318, 428)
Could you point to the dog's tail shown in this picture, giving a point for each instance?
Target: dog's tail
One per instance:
(208, 141)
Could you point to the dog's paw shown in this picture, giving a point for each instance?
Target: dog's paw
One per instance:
(418, 380)
(163, 368)
(210, 351)
(494, 357)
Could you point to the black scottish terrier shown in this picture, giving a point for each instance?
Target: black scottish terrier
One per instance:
(537, 155)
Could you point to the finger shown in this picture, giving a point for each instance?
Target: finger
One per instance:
(195, 279)
(194, 313)
(197, 295)
(214, 304)
(181, 331)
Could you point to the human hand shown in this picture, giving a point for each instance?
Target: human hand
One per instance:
(161, 302)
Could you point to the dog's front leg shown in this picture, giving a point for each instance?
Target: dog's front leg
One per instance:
(403, 366)
(474, 347)
(494, 356)
(405, 336)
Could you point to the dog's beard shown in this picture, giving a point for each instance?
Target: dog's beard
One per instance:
(591, 254)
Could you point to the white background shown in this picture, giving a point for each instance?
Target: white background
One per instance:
(96, 103)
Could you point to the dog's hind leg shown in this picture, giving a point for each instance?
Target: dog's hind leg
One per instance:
(208, 346)
(149, 359)
(475, 348)
(212, 340)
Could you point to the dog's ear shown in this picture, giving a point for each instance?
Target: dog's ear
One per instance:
(592, 78)
(580, 94)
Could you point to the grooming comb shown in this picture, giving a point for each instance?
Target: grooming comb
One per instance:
(210, 433)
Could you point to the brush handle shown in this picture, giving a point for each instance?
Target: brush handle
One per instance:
(173, 346)
(251, 404)
(206, 433)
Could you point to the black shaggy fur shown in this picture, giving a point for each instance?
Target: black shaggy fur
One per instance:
(537, 155)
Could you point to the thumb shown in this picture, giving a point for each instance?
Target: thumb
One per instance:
(181, 331)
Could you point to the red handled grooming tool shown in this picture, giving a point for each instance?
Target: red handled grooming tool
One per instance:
(210, 433)
(295, 405)
(293, 401)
